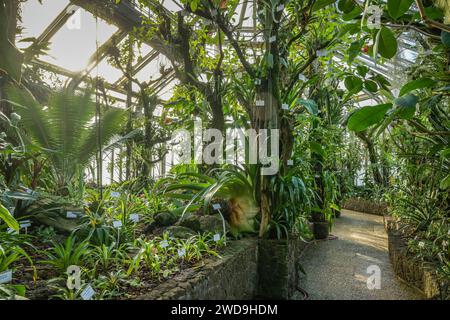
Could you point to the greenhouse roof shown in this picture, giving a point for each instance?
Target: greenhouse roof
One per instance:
(77, 53)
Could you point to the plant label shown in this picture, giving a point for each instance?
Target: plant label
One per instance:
(115, 194)
(260, 103)
(290, 162)
(285, 106)
(117, 224)
(321, 53)
(134, 217)
(12, 231)
(216, 206)
(272, 39)
(6, 276)
(302, 77)
(25, 224)
(71, 215)
(217, 237)
(257, 82)
(87, 293)
(181, 252)
(164, 244)
(280, 7)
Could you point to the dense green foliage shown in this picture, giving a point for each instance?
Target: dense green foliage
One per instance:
(312, 64)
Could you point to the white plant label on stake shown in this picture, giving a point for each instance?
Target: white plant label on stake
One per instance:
(260, 103)
(216, 206)
(181, 252)
(25, 224)
(321, 53)
(134, 217)
(302, 77)
(117, 224)
(12, 231)
(6, 276)
(272, 39)
(217, 237)
(71, 215)
(115, 194)
(87, 293)
(164, 244)
(290, 162)
(285, 106)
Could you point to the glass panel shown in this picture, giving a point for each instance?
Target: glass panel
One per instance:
(75, 43)
(171, 5)
(36, 17)
(106, 71)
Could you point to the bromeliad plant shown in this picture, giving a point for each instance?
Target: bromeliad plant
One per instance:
(232, 183)
(61, 256)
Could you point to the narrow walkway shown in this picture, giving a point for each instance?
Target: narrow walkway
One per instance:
(337, 269)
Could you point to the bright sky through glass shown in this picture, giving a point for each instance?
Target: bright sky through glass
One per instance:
(36, 17)
(71, 47)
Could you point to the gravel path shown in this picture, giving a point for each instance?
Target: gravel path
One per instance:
(337, 269)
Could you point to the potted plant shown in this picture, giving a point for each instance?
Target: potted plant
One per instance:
(321, 226)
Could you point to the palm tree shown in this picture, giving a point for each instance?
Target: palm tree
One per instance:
(66, 130)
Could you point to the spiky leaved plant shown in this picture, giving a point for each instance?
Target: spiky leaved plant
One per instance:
(65, 131)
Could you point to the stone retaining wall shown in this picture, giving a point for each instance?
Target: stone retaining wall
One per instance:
(279, 268)
(366, 206)
(416, 273)
(248, 269)
(234, 276)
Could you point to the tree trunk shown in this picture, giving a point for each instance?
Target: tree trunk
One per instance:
(377, 176)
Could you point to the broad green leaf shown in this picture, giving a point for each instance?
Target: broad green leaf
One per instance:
(320, 4)
(371, 86)
(417, 84)
(316, 148)
(407, 106)
(310, 105)
(352, 14)
(387, 44)
(385, 84)
(409, 100)
(445, 37)
(365, 117)
(397, 8)
(354, 50)
(353, 84)
(362, 70)
(7, 217)
(346, 6)
(351, 28)
(193, 5)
